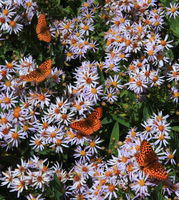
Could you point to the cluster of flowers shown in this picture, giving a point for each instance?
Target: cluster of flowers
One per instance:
(108, 178)
(35, 173)
(122, 172)
(173, 78)
(128, 36)
(27, 108)
(19, 105)
(34, 110)
(15, 14)
(74, 33)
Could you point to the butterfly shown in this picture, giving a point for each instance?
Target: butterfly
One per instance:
(148, 161)
(90, 124)
(42, 29)
(39, 74)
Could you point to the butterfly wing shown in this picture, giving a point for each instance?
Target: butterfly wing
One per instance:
(96, 114)
(42, 29)
(90, 124)
(94, 119)
(147, 154)
(45, 68)
(82, 126)
(40, 73)
(96, 125)
(156, 170)
(32, 76)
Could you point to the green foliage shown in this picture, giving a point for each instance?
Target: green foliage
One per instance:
(56, 189)
(114, 136)
(121, 121)
(174, 26)
(175, 128)
(2, 197)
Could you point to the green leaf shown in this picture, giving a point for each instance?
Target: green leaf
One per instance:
(57, 188)
(147, 111)
(165, 2)
(169, 53)
(106, 121)
(101, 75)
(58, 2)
(175, 128)
(2, 197)
(124, 92)
(114, 136)
(174, 25)
(121, 121)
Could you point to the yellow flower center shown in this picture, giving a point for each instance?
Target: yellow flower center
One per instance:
(12, 24)
(28, 4)
(139, 83)
(93, 90)
(109, 95)
(161, 137)
(53, 134)
(86, 27)
(111, 66)
(161, 127)
(83, 153)
(69, 54)
(124, 159)
(170, 156)
(15, 135)
(173, 10)
(37, 142)
(141, 182)
(92, 144)
(147, 128)
(7, 100)
(41, 97)
(58, 142)
(45, 125)
(111, 188)
(133, 134)
(150, 52)
(8, 83)
(9, 65)
(5, 12)
(176, 94)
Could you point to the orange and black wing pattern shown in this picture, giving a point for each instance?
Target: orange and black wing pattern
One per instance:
(148, 161)
(39, 74)
(90, 124)
(42, 29)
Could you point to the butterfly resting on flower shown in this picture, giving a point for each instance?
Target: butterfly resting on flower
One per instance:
(90, 124)
(42, 29)
(148, 161)
(39, 74)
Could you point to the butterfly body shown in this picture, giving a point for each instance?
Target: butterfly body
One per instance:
(42, 29)
(90, 124)
(148, 161)
(39, 74)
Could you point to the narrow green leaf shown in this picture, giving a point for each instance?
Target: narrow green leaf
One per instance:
(106, 121)
(175, 128)
(101, 75)
(121, 121)
(174, 25)
(114, 136)
(2, 197)
(124, 92)
(58, 2)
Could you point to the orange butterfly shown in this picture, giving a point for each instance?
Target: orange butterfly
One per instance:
(39, 74)
(42, 29)
(90, 124)
(148, 161)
